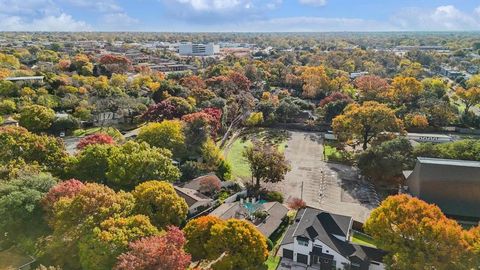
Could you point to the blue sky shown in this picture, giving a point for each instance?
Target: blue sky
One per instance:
(239, 15)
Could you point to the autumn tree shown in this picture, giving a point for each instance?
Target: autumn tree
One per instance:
(36, 118)
(243, 246)
(99, 249)
(161, 252)
(316, 82)
(210, 184)
(167, 134)
(159, 201)
(371, 87)
(405, 90)
(266, 163)
(363, 123)
(68, 189)
(333, 105)
(416, 235)
(198, 234)
(470, 97)
(18, 144)
(97, 138)
(76, 216)
(167, 109)
(115, 63)
(133, 163)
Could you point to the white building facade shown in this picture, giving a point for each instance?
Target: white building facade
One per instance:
(190, 49)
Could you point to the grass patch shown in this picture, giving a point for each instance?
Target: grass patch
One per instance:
(234, 156)
(331, 153)
(240, 166)
(362, 239)
(12, 259)
(84, 132)
(272, 262)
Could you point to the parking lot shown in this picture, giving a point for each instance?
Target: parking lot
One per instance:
(331, 187)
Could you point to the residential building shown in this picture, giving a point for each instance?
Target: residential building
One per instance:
(321, 240)
(274, 212)
(453, 185)
(9, 122)
(195, 200)
(190, 49)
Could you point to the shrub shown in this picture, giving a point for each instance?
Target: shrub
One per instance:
(274, 196)
(269, 244)
(296, 203)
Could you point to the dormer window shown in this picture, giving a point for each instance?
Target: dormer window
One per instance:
(302, 242)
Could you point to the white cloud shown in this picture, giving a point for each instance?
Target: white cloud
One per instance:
(118, 22)
(62, 22)
(313, 2)
(97, 5)
(441, 18)
(216, 5)
(477, 11)
(28, 7)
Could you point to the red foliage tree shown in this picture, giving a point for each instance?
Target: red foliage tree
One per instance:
(210, 184)
(97, 138)
(212, 116)
(296, 203)
(115, 63)
(193, 82)
(156, 253)
(371, 87)
(336, 96)
(163, 110)
(67, 189)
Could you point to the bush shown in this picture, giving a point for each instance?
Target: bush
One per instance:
(269, 244)
(274, 196)
(65, 124)
(296, 203)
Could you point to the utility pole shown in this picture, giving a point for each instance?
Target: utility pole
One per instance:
(301, 194)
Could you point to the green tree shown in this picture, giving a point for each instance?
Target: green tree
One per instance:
(168, 134)
(159, 201)
(99, 249)
(134, 163)
(20, 206)
(91, 164)
(36, 118)
(363, 123)
(7, 106)
(266, 163)
(385, 163)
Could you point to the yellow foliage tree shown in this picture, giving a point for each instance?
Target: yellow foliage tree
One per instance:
(362, 123)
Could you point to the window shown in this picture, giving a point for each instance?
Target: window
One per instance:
(302, 242)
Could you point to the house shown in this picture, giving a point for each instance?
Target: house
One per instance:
(196, 183)
(195, 200)
(453, 185)
(9, 122)
(321, 240)
(275, 212)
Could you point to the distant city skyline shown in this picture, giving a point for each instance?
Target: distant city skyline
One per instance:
(239, 15)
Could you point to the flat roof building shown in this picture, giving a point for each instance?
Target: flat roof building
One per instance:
(190, 49)
(453, 185)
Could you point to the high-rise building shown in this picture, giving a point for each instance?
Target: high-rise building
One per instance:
(189, 49)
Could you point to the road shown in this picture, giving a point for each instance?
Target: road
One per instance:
(327, 186)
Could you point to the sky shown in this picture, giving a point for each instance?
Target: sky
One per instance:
(239, 15)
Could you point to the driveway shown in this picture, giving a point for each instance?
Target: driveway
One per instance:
(331, 187)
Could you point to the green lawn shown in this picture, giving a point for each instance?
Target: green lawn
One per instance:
(362, 239)
(240, 166)
(85, 132)
(331, 153)
(272, 262)
(234, 156)
(12, 259)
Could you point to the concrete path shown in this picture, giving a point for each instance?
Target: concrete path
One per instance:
(325, 185)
